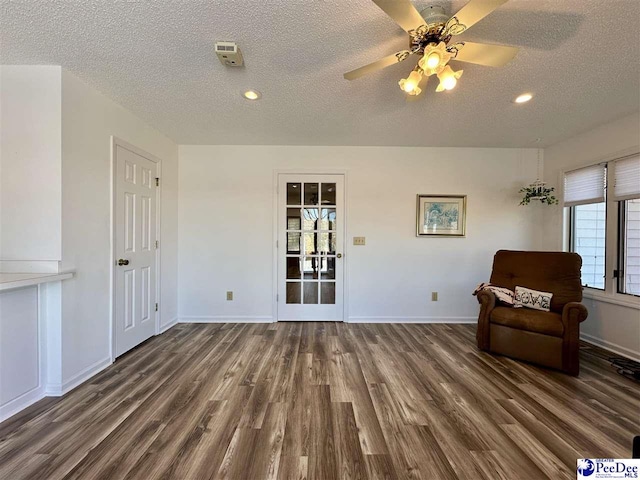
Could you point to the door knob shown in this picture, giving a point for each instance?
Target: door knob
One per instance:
(122, 261)
(339, 255)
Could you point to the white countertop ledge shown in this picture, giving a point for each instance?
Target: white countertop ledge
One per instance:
(9, 281)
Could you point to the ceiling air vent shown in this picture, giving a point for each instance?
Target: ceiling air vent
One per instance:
(229, 54)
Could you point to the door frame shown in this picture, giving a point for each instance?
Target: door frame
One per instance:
(118, 142)
(345, 230)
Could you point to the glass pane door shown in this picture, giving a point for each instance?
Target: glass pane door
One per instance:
(312, 235)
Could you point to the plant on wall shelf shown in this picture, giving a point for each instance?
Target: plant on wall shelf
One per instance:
(538, 191)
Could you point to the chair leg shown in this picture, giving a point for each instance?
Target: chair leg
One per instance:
(571, 354)
(573, 369)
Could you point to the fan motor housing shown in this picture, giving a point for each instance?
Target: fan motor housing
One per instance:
(434, 15)
(435, 20)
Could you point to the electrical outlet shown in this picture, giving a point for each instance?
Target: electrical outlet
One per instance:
(434, 296)
(358, 240)
(229, 295)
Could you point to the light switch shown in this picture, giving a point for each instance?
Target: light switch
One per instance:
(358, 241)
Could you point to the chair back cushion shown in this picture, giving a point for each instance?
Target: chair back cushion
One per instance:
(555, 272)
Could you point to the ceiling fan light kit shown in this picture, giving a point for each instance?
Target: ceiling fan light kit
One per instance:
(430, 33)
(448, 78)
(410, 84)
(435, 58)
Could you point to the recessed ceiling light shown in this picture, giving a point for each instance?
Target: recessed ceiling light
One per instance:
(524, 98)
(252, 95)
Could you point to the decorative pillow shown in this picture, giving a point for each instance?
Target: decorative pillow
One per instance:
(502, 294)
(525, 297)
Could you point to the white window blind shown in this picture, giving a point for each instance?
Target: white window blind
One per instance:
(585, 185)
(627, 178)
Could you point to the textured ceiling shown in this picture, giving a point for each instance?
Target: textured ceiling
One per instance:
(581, 59)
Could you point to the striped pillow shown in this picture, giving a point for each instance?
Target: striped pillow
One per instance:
(502, 294)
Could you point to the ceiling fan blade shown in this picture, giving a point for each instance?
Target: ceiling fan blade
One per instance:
(379, 65)
(473, 12)
(485, 54)
(402, 12)
(422, 86)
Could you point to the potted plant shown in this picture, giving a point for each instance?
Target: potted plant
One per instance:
(538, 191)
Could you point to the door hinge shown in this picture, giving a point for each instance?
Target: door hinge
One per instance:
(157, 182)
(156, 307)
(276, 243)
(157, 244)
(277, 297)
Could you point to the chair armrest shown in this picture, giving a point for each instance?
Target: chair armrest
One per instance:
(572, 314)
(487, 301)
(486, 298)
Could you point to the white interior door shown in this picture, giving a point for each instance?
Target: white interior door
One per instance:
(135, 249)
(310, 245)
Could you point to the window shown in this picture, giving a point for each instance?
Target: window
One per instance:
(604, 224)
(588, 239)
(627, 194)
(629, 271)
(584, 195)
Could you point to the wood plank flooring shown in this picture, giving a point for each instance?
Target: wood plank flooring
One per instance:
(324, 401)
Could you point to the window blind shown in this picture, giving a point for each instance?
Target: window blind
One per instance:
(585, 185)
(627, 178)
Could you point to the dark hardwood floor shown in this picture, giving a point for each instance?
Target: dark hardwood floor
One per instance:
(324, 401)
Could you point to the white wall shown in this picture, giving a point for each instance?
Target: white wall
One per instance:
(30, 163)
(88, 121)
(226, 226)
(19, 349)
(616, 326)
(588, 148)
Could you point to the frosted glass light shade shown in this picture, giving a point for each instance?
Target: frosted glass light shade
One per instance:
(410, 84)
(435, 58)
(448, 78)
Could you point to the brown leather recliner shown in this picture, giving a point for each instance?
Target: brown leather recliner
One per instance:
(550, 338)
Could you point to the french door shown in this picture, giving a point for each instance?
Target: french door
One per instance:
(135, 249)
(310, 246)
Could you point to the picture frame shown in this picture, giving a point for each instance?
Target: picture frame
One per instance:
(441, 215)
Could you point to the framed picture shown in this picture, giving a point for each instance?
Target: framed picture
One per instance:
(441, 215)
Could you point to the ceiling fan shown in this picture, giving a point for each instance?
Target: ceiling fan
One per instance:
(430, 33)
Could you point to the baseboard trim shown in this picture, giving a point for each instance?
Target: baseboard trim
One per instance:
(352, 319)
(356, 319)
(20, 403)
(172, 323)
(57, 390)
(613, 347)
(226, 319)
